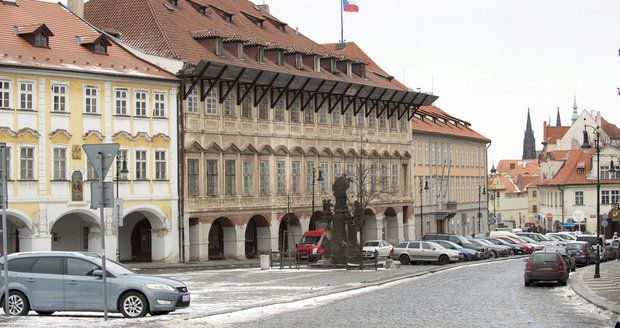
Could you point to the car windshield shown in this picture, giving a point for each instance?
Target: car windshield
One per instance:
(486, 242)
(476, 242)
(453, 245)
(372, 243)
(527, 240)
(463, 239)
(114, 267)
(561, 250)
(544, 257)
(575, 246)
(310, 240)
(508, 241)
(590, 239)
(555, 237)
(543, 237)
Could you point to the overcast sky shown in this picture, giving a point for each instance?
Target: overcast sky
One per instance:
(487, 60)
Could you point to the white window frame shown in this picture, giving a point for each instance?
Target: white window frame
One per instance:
(8, 91)
(64, 95)
(120, 100)
(317, 63)
(34, 162)
(211, 102)
(192, 102)
(30, 94)
(196, 183)
(159, 173)
(159, 105)
(144, 103)
(248, 177)
(94, 100)
(55, 168)
(146, 165)
(264, 176)
(9, 159)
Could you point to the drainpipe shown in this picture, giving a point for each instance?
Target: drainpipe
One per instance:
(181, 168)
(562, 199)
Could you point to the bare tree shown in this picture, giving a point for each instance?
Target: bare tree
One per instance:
(287, 201)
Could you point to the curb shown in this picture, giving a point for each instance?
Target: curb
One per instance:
(364, 284)
(576, 283)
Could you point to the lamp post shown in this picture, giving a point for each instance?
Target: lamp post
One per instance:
(121, 168)
(481, 191)
(586, 146)
(320, 178)
(494, 196)
(423, 186)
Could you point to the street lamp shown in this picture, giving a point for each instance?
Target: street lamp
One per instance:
(320, 178)
(586, 146)
(423, 186)
(481, 191)
(121, 168)
(494, 196)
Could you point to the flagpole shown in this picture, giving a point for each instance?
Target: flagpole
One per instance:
(341, 21)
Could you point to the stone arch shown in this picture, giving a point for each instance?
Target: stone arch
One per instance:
(282, 150)
(19, 231)
(315, 221)
(339, 152)
(266, 150)
(326, 152)
(297, 151)
(76, 230)
(369, 226)
(351, 153)
(257, 236)
(222, 238)
(142, 236)
(390, 225)
(289, 232)
(311, 151)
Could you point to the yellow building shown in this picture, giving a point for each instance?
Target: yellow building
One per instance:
(64, 84)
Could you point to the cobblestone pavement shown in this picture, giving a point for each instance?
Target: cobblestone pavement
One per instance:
(603, 291)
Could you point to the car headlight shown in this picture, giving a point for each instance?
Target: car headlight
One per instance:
(160, 287)
(315, 250)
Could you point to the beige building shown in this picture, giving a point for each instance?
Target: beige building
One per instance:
(451, 159)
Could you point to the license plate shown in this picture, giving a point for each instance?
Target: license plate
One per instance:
(545, 269)
(186, 298)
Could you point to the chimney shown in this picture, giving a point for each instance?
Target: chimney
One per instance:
(77, 7)
(9, 2)
(263, 7)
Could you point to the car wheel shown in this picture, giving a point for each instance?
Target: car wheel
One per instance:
(133, 305)
(45, 313)
(404, 259)
(18, 304)
(159, 312)
(563, 283)
(444, 259)
(527, 284)
(493, 255)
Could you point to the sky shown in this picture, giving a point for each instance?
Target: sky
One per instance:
(487, 60)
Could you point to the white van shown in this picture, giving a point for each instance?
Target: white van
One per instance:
(494, 234)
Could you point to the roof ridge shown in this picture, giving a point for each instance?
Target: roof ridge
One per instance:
(161, 29)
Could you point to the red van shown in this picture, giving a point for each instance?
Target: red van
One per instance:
(310, 246)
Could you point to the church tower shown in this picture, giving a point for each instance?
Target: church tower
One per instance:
(575, 114)
(529, 143)
(558, 121)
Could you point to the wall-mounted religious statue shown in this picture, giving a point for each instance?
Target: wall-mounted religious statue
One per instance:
(76, 152)
(77, 186)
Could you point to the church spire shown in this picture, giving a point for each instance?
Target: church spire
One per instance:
(575, 114)
(529, 143)
(558, 121)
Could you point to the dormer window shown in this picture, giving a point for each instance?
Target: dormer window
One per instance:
(333, 66)
(219, 45)
(278, 24)
(299, 61)
(100, 49)
(349, 69)
(240, 50)
(317, 63)
(580, 170)
(202, 10)
(257, 21)
(225, 15)
(280, 58)
(36, 34)
(260, 55)
(97, 44)
(228, 17)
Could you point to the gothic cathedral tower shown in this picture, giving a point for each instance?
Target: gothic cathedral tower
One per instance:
(529, 143)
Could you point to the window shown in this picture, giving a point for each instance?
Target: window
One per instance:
(403, 124)
(279, 112)
(231, 179)
(614, 196)
(91, 99)
(264, 178)
(337, 170)
(8, 163)
(395, 177)
(140, 164)
(160, 104)
(192, 178)
(317, 63)
(26, 95)
(281, 177)
(40, 40)
(248, 178)
(240, 50)
(5, 94)
(260, 55)
(120, 101)
(324, 167)
(212, 177)
(333, 66)
(263, 109)
(534, 193)
(229, 109)
(48, 265)
(20, 264)
(160, 165)
(373, 177)
(348, 119)
(296, 177)
(534, 208)
(382, 121)
(121, 156)
(78, 267)
(309, 114)
(384, 177)
(604, 196)
(192, 101)
(27, 163)
(393, 122)
(309, 169)
(280, 58)
(299, 63)
(578, 197)
(414, 245)
(211, 102)
(59, 98)
(219, 45)
(359, 121)
(60, 163)
(141, 97)
(350, 173)
(336, 117)
(100, 49)
(372, 121)
(246, 107)
(349, 69)
(294, 111)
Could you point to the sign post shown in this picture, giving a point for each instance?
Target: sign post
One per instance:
(4, 203)
(100, 157)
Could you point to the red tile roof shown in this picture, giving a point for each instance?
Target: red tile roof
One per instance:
(159, 28)
(610, 129)
(567, 174)
(551, 134)
(433, 120)
(64, 52)
(515, 167)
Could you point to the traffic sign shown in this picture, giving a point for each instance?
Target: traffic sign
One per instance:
(96, 194)
(94, 152)
(579, 215)
(604, 223)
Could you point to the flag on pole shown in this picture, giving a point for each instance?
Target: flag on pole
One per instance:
(350, 6)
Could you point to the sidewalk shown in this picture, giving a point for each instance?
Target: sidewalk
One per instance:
(604, 291)
(144, 267)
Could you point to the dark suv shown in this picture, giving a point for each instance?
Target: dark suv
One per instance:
(482, 252)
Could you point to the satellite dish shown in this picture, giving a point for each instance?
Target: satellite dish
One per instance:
(579, 215)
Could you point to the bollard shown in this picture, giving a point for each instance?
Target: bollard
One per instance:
(264, 262)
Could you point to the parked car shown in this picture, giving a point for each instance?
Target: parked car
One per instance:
(311, 245)
(47, 282)
(527, 248)
(592, 240)
(514, 248)
(536, 245)
(583, 251)
(424, 251)
(613, 248)
(539, 238)
(545, 266)
(557, 238)
(468, 254)
(497, 250)
(377, 248)
(562, 236)
(460, 240)
(568, 257)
